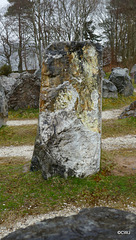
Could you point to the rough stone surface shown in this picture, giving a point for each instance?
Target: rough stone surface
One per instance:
(129, 111)
(135, 77)
(120, 78)
(98, 223)
(109, 90)
(69, 132)
(3, 107)
(21, 90)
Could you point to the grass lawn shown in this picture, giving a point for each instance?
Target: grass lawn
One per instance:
(28, 193)
(17, 135)
(118, 127)
(23, 114)
(116, 103)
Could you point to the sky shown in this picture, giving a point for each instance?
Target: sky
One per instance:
(3, 3)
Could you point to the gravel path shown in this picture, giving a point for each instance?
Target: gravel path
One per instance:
(119, 142)
(107, 144)
(21, 122)
(112, 114)
(12, 151)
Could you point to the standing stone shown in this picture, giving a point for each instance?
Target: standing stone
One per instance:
(68, 141)
(3, 107)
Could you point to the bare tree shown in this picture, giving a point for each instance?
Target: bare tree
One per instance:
(120, 30)
(6, 40)
(37, 23)
(74, 19)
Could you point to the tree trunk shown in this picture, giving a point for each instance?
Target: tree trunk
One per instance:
(20, 67)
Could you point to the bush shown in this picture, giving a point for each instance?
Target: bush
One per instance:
(5, 70)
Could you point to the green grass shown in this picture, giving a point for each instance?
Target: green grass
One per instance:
(28, 193)
(107, 75)
(17, 135)
(116, 103)
(118, 127)
(29, 113)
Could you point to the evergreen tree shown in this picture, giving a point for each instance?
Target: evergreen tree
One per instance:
(21, 10)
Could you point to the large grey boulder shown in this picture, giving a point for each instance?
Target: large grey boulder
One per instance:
(109, 90)
(22, 90)
(3, 107)
(98, 223)
(121, 79)
(68, 141)
(129, 111)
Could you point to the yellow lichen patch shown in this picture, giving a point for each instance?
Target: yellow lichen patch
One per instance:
(75, 65)
(91, 63)
(88, 123)
(63, 100)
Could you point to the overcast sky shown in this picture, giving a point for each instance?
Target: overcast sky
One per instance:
(3, 3)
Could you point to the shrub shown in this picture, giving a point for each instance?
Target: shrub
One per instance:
(5, 70)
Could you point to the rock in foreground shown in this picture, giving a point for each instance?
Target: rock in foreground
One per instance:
(90, 224)
(68, 142)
